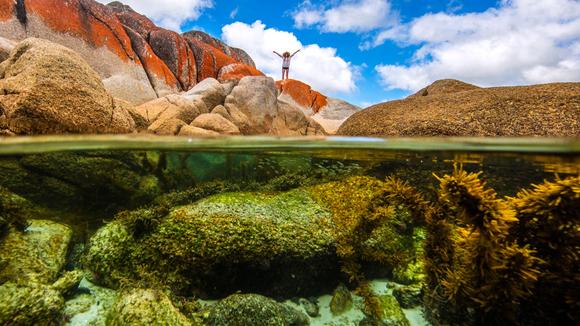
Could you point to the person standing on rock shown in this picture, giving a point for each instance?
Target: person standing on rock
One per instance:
(286, 57)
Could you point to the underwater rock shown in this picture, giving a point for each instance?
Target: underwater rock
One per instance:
(226, 241)
(408, 296)
(69, 98)
(35, 255)
(14, 212)
(92, 180)
(341, 300)
(411, 273)
(391, 312)
(278, 244)
(254, 309)
(31, 303)
(145, 307)
(310, 306)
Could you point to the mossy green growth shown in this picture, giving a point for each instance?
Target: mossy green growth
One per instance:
(293, 238)
(32, 303)
(14, 212)
(374, 221)
(145, 307)
(255, 230)
(254, 309)
(392, 314)
(36, 254)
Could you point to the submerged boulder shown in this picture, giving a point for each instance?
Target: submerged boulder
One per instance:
(280, 244)
(47, 89)
(35, 255)
(145, 307)
(253, 309)
(225, 241)
(91, 180)
(33, 303)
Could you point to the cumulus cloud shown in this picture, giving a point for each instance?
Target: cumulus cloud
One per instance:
(317, 66)
(170, 14)
(519, 42)
(345, 16)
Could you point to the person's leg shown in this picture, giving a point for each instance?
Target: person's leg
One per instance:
(283, 72)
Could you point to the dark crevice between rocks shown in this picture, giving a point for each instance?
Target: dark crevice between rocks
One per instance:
(21, 15)
(132, 37)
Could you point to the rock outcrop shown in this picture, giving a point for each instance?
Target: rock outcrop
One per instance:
(453, 108)
(328, 112)
(46, 88)
(137, 60)
(249, 106)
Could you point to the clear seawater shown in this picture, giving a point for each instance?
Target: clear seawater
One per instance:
(256, 196)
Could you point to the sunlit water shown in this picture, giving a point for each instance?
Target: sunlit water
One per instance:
(85, 182)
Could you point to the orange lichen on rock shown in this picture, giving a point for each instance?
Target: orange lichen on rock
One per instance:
(237, 71)
(302, 94)
(154, 66)
(6, 9)
(93, 22)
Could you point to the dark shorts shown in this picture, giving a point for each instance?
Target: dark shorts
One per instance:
(285, 68)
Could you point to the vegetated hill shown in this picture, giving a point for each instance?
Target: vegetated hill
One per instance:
(454, 108)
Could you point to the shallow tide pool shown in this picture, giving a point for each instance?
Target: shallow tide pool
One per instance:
(116, 230)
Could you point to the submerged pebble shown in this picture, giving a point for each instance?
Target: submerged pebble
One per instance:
(310, 306)
(341, 300)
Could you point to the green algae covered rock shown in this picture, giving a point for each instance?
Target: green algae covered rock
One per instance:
(30, 305)
(35, 303)
(36, 254)
(145, 307)
(391, 312)
(256, 310)
(13, 211)
(273, 243)
(225, 241)
(409, 296)
(99, 180)
(341, 300)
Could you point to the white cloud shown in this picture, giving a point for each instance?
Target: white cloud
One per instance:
(170, 14)
(319, 67)
(520, 42)
(346, 16)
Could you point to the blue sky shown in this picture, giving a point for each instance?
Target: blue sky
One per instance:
(369, 51)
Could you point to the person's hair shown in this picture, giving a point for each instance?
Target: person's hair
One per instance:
(286, 54)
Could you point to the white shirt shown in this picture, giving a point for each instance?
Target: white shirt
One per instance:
(286, 62)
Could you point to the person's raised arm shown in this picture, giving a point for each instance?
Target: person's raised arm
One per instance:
(293, 54)
(278, 54)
